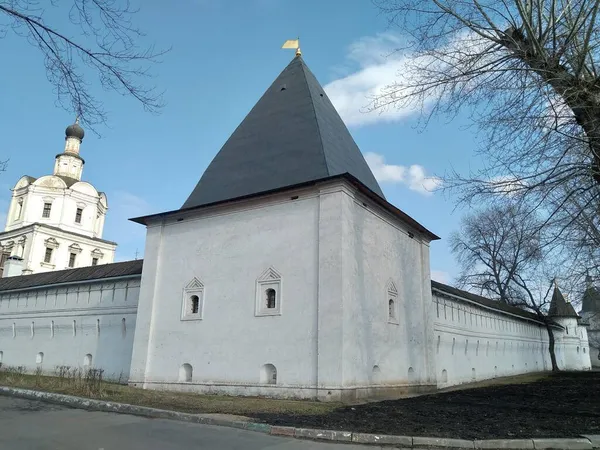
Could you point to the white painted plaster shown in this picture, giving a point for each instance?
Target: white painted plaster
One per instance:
(66, 323)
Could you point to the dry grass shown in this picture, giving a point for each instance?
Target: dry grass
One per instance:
(81, 383)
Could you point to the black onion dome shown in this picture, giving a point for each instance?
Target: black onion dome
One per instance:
(75, 131)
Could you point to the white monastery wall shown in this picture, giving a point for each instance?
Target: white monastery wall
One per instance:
(594, 337)
(474, 342)
(69, 325)
(229, 341)
(331, 336)
(386, 347)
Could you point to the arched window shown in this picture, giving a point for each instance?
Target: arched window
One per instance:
(185, 373)
(194, 304)
(268, 374)
(19, 209)
(271, 297)
(193, 300)
(444, 376)
(391, 309)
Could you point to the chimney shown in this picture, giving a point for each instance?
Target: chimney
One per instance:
(13, 266)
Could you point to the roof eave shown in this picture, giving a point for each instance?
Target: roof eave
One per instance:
(144, 220)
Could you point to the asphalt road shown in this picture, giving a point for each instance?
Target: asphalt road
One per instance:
(32, 425)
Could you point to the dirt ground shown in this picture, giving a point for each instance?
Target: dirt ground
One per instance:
(561, 405)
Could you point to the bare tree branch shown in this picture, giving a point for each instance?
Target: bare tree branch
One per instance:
(108, 43)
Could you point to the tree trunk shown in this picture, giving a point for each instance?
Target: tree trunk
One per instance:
(581, 96)
(551, 348)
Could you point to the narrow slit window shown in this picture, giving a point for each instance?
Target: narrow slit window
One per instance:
(391, 309)
(271, 298)
(195, 304)
(78, 215)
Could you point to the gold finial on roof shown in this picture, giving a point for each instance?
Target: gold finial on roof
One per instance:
(293, 43)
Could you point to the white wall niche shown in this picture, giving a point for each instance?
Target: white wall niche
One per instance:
(192, 305)
(391, 303)
(268, 293)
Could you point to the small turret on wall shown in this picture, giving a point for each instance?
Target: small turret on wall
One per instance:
(13, 266)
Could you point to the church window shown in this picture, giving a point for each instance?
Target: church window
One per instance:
(46, 210)
(19, 209)
(48, 255)
(78, 214)
(72, 257)
(193, 299)
(391, 309)
(268, 294)
(271, 297)
(94, 261)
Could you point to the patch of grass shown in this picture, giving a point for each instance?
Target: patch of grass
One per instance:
(75, 382)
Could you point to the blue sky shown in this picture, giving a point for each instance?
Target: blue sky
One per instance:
(224, 56)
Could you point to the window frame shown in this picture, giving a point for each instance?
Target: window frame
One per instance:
(269, 280)
(48, 210)
(94, 261)
(72, 260)
(194, 288)
(78, 215)
(49, 252)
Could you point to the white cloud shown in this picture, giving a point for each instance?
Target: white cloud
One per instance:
(378, 67)
(413, 176)
(440, 276)
(384, 60)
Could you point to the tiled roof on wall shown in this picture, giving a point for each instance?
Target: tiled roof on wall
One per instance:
(102, 271)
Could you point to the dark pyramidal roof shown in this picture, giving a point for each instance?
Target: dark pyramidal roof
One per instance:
(293, 135)
(591, 298)
(559, 307)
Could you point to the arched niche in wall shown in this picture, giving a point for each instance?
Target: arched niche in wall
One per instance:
(185, 373)
(391, 302)
(268, 374)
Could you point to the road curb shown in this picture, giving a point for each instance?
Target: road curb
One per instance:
(382, 440)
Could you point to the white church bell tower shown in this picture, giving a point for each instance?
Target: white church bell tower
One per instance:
(56, 221)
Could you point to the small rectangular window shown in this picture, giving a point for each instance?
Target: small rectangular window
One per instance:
(46, 211)
(48, 255)
(94, 261)
(78, 214)
(72, 257)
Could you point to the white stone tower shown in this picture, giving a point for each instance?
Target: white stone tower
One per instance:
(56, 221)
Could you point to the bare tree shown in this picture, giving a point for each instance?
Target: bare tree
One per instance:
(500, 253)
(527, 72)
(100, 36)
